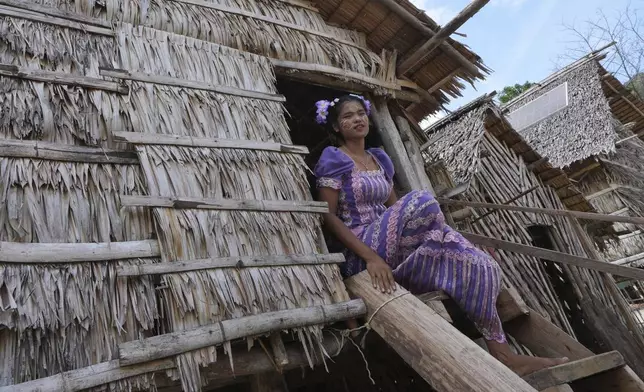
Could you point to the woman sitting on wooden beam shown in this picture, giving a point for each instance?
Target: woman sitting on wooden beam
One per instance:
(406, 240)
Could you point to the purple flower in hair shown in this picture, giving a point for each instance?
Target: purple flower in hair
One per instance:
(365, 102)
(323, 107)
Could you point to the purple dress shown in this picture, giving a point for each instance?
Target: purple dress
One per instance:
(411, 236)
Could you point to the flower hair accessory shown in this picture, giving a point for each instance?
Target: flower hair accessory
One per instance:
(323, 107)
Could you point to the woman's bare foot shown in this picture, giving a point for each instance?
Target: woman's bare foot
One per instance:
(524, 365)
(521, 364)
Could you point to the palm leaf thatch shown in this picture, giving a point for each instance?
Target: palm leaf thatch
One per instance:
(239, 28)
(91, 310)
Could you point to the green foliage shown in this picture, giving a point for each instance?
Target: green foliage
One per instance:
(511, 92)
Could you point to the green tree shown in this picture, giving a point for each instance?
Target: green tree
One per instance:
(511, 92)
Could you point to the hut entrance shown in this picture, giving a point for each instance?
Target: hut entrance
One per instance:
(300, 106)
(545, 237)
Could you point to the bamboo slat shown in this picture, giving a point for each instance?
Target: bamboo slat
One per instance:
(53, 20)
(191, 84)
(56, 253)
(38, 75)
(189, 141)
(163, 346)
(225, 204)
(558, 257)
(35, 149)
(229, 262)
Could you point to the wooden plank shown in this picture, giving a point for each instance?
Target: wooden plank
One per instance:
(413, 152)
(246, 362)
(510, 305)
(575, 370)
(428, 47)
(191, 84)
(535, 164)
(58, 253)
(629, 259)
(420, 26)
(434, 301)
(620, 211)
(52, 20)
(548, 211)
(35, 149)
(229, 262)
(602, 192)
(37, 75)
(622, 380)
(289, 66)
(314, 207)
(56, 12)
(171, 344)
(267, 19)
(558, 257)
(439, 353)
(202, 142)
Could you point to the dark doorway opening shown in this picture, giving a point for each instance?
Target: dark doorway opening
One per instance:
(300, 116)
(543, 237)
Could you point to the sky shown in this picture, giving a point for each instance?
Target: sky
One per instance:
(520, 40)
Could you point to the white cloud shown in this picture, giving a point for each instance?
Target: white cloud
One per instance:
(508, 3)
(429, 120)
(440, 14)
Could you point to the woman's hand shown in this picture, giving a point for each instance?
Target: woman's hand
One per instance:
(381, 276)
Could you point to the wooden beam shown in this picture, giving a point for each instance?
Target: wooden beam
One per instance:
(58, 13)
(602, 192)
(444, 80)
(38, 75)
(620, 211)
(413, 152)
(59, 253)
(315, 207)
(637, 220)
(334, 71)
(584, 170)
(629, 259)
(536, 163)
(35, 149)
(246, 362)
(20, 13)
(420, 26)
(435, 301)
(558, 257)
(628, 101)
(405, 173)
(444, 357)
(268, 19)
(300, 3)
(229, 262)
(515, 198)
(575, 370)
(203, 142)
(175, 343)
(510, 305)
(279, 350)
(440, 37)
(190, 84)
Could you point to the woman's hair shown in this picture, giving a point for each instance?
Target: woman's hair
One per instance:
(329, 111)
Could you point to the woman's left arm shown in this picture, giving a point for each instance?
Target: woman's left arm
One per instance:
(392, 199)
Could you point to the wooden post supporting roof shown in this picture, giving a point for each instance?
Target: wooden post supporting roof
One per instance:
(417, 24)
(438, 352)
(413, 151)
(441, 36)
(405, 173)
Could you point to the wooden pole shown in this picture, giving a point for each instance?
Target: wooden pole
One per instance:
(405, 173)
(417, 24)
(413, 150)
(438, 352)
(440, 37)
(548, 211)
(558, 257)
(56, 253)
(245, 362)
(515, 198)
(36, 149)
(175, 343)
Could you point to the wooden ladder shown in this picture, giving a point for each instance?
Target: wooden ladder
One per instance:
(586, 372)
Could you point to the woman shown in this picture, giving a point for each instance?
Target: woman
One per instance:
(406, 240)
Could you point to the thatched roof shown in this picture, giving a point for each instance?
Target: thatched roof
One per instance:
(59, 317)
(456, 140)
(582, 129)
(440, 73)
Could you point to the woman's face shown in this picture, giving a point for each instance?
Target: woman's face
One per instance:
(353, 122)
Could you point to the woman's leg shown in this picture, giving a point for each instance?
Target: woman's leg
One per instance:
(438, 258)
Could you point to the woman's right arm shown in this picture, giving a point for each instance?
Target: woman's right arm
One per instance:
(380, 272)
